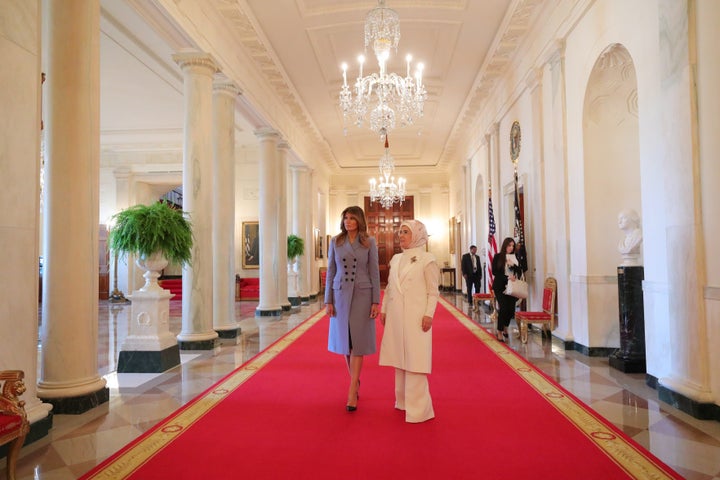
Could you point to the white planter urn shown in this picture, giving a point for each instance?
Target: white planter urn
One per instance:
(292, 279)
(153, 265)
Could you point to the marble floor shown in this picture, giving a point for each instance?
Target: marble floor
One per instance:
(77, 443)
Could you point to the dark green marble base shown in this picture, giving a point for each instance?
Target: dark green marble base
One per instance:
(286, 308)
(627, 365)
(295, 301)
(78, 405)
(268, 313)
(630, 357)
(702, 411)
(231, 333)
(593, 351)
(139, 361)
(211, 344)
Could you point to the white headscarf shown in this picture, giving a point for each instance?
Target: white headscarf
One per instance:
(419, 233)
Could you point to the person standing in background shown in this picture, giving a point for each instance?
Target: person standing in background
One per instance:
(472, 273)
(505, 268)
(352, 295)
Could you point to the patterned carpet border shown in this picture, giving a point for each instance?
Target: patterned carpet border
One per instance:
(616, 446)
(124, 463)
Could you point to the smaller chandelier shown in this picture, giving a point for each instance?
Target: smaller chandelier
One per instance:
(387, 96)
(385, 190)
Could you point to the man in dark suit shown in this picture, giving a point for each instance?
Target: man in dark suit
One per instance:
(472, 272)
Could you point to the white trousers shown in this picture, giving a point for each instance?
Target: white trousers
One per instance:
(412, 394)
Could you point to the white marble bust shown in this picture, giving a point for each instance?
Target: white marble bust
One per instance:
(629, 246)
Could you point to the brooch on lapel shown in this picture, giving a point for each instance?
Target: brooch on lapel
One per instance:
(413, 259)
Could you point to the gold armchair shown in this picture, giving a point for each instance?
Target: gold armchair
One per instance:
(14, 425)
(546, 317)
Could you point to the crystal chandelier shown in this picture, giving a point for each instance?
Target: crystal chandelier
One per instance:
(387, 96)
(385, 190)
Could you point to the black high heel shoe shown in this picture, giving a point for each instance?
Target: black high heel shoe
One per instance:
(352, 408)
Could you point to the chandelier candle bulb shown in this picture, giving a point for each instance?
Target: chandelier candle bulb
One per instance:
(344, 69)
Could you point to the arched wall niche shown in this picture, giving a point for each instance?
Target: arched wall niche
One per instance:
(611, 149)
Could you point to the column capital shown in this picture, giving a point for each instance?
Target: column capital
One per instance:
(267, 133)
(556, 53)
(122, 173)
(283, 145)
(200, 60)
(226, 87)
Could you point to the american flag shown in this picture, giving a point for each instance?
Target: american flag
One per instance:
(521, 251)
(492, 244)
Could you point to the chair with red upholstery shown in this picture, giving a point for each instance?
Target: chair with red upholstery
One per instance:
(479, 298)
(546, 317)
(14, 425)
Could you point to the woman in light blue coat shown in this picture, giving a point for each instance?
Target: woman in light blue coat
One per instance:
(352, 295)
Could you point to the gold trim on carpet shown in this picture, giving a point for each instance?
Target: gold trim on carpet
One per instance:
(129, 461)
(615, 446)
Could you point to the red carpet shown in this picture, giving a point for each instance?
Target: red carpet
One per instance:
(282, 415)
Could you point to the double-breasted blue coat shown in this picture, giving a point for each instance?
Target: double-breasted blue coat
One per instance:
(352, 286)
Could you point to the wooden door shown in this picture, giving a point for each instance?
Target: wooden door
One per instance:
(383, 225)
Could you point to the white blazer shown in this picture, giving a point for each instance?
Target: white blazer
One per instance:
(411, 293)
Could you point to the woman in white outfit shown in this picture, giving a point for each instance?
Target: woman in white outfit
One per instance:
(407, 311)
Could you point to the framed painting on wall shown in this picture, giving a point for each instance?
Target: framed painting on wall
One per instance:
(318, 244)
(451, 235)
(251, 245)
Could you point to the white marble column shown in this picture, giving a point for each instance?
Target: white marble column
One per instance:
(19, 187)
(556, 166)
(302, 226)
(268, 225)
(69, 374)
(124, 267)
(197, 309)
(535, 224)
(294, 275)
(689, 378)
(224, 95)
(282, 152)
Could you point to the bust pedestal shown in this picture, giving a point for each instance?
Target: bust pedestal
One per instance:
(630, 357)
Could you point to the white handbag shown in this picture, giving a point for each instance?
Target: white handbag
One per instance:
(517, 288)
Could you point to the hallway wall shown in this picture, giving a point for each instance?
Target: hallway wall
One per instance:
(561, 226)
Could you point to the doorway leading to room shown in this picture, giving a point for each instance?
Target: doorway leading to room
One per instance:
(383, 224)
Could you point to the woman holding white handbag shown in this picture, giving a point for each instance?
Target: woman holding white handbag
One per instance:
(505, 269)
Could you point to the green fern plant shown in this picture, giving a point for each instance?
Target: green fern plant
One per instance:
(143, 230)
(295, 247)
